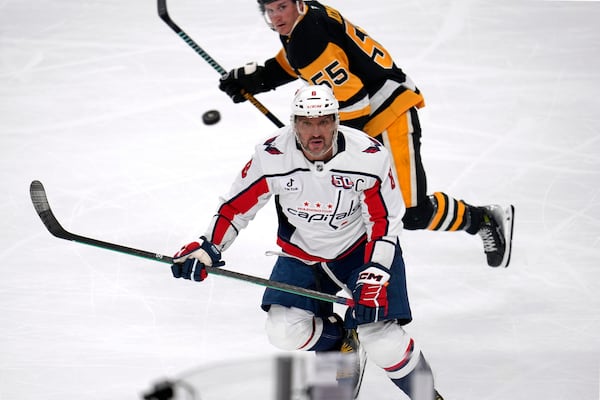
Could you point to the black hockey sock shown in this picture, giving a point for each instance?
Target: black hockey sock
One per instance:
(332, 335)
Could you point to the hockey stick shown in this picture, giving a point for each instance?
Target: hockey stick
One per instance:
(164, 15)
(42, 207)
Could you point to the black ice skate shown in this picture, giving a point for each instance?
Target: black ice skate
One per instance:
(496, 232)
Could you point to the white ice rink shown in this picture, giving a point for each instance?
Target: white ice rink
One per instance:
(102, 102)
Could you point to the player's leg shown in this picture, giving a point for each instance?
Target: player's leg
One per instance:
(291, 328)
(435, 212)
(386, 342)
(296, 322)
(439, 211)
(392, 349)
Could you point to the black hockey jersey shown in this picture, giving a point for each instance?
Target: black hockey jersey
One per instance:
(326, 48)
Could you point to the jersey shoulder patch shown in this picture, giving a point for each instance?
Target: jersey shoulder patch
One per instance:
(375, 146)
(270, 147)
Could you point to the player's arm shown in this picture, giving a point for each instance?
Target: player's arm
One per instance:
(249, 192)
(382, 211)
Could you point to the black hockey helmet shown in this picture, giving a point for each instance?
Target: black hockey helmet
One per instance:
(261, 4)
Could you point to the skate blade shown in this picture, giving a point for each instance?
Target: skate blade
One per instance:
(509, 224)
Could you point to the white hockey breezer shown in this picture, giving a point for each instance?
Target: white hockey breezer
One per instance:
(496, 233)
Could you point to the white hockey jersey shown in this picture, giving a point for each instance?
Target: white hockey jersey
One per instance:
(325, 209)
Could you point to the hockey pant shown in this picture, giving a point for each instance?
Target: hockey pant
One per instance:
(297, 322)
(436, 212)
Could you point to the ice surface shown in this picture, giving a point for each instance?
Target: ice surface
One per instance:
(102, 102)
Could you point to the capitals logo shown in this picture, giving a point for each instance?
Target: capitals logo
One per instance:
(335, 214)
(374, 148)
(269, 148)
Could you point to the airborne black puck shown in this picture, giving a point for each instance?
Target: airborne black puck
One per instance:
(211, 117)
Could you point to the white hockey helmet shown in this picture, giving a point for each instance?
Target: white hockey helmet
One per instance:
(314, 101)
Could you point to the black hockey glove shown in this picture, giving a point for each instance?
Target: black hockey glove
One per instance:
(191, 260)
(370, 293)
(250, 77)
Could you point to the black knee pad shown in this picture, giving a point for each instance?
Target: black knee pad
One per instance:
(418, 217)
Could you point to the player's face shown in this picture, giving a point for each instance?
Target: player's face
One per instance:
(283, 15)
(316, 136)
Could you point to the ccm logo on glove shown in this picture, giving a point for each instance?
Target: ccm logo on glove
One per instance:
(373, 276)
(370, 295)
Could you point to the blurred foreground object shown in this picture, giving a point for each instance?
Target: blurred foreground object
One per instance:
(299, 377)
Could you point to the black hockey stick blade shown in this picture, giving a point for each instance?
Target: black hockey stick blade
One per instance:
(42, 207)
(40, 203)
(163, 13)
